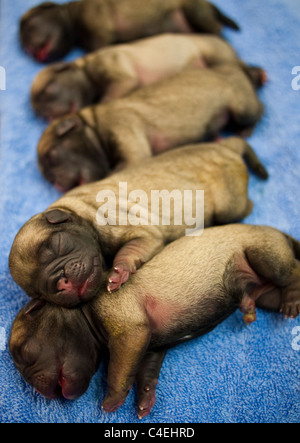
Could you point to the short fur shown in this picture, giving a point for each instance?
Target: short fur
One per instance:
(59, 254)
(113, 72)
(190, 107)
(162, 305)
(49, 31)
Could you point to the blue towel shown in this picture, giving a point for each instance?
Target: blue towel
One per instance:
(235, 373)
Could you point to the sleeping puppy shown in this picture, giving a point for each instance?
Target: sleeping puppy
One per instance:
(49, 31)
(190, 107)
(57, 353)
(113, 72)
(126, 219)
(162, 305)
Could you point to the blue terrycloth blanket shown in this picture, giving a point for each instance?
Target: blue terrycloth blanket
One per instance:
(234, 373)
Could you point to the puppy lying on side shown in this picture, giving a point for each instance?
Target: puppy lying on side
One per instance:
(59, 255)
(56, 352)
(113, 72)
(50, 30)
(190, 107)
(162, 305)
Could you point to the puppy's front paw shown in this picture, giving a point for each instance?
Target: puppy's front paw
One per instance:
(118, 276)
(110, 405)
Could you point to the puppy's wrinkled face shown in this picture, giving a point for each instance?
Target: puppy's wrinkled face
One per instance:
(54, 349)
(70, 154)
(58, 90)
(60, 261)
(44, 33)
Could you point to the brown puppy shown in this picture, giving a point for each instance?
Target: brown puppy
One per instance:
(59, 254)
(49, 31)
(189, 107)
(226, 267)
(115, 71)
(57, 353)
(162, 305)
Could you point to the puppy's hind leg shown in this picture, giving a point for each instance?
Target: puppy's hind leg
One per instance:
(276, 264)
(147, 380)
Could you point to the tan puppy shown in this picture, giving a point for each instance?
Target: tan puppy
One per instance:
(190, 107)
(113, 72)
(183, 292)
(59, 254)
(164, 303)
(49, 31)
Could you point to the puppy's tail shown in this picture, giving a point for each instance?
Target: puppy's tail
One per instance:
(240, 146)
(226, 21)
(253, 162)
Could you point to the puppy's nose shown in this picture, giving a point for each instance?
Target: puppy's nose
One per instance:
(65, 285)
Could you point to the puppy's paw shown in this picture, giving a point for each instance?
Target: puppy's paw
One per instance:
(290, 309)
(118, 276)
(147, 399)
(109, 405)
(247, 307)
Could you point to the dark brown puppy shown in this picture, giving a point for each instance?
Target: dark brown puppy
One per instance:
(57, 353)
(190, 107)
(59, 254)
(49, 31)
(113, 72)
(162, 305)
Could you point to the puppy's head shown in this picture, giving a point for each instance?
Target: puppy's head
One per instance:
(54, 349)
(56, 256)
(45, 32)
(58, 90)
(71, 154)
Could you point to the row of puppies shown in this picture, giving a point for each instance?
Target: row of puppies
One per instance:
(191, 106)
(59, 256)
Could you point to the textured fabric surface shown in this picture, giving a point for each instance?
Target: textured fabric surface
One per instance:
(234, 373)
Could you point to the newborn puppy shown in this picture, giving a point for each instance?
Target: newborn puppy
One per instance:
(54, 349)
(190, 107)
(57, 353)
(59, 255)
(49, 31)
(163, 305)
(113, 72)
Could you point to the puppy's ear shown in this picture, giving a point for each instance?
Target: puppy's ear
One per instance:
(34, 305)
(67, 124)
(57, 216)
